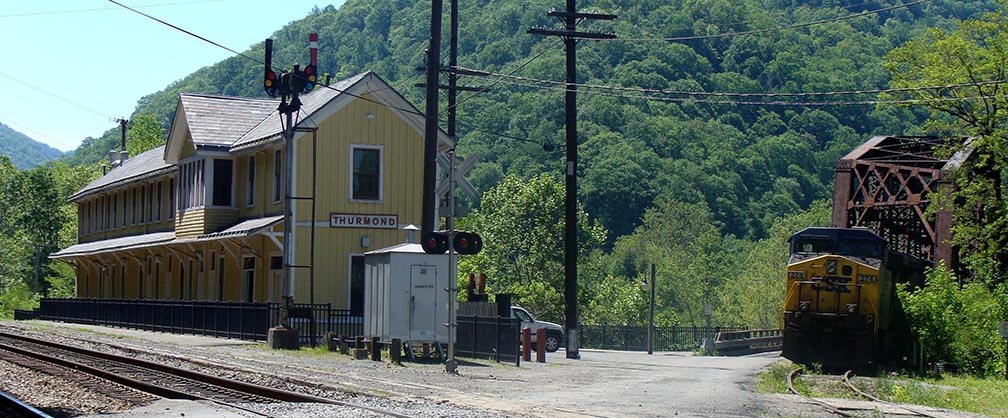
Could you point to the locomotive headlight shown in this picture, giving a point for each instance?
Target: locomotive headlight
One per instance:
(831, 267)
(803, 305)
(869, 318)
(851, 308)
(866, 278)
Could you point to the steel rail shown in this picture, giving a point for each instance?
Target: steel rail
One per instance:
(160, 390)
(831, 408)
(850, 385)
(13, 407)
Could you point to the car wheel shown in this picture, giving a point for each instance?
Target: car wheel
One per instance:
(552, 343)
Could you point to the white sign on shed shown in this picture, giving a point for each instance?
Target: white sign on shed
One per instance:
(404, 294)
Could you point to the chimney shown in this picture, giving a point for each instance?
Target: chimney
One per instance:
(113, 158)
(123, 156)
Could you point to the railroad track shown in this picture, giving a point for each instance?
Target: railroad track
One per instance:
(850, 385)
(853, 388)
(11, 407)
(153, 378)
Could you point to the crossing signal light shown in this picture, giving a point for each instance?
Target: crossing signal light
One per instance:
(310, 78)
(466, 242)
(435, 243)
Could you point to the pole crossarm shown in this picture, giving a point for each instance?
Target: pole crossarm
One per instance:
(571, 34)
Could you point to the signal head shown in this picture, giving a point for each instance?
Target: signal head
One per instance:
(435, 243)
(310, 78)
(270, 83)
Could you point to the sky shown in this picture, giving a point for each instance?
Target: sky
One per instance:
(71, 67)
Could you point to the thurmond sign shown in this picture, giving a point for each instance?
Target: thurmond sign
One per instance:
(356, 220)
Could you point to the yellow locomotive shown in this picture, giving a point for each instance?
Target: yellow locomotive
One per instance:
(840, 308)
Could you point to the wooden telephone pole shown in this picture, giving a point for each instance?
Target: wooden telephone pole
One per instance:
(570, 36)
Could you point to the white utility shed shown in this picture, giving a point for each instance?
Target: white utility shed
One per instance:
(404, 294)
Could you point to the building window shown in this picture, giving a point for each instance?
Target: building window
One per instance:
(357, 285)
(250, 186)
(134, 207)
(159, 201)
(171, 198)
(124, 219)
(222, 179)
(150, 203)
(143, 199)
(277, 170)
(115, 209)
(366, 175)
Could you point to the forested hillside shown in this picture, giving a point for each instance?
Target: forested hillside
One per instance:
(23, 151)
(748, 161)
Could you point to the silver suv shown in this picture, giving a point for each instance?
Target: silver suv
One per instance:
(554, 332)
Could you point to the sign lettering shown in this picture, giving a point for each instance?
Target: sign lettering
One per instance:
(353, 220)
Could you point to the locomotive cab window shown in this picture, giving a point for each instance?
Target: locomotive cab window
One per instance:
(813, 245)
(861, 248)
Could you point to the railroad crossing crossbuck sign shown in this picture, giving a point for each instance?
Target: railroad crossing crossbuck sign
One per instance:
(461, 169)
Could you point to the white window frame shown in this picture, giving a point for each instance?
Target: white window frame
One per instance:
(381, 173)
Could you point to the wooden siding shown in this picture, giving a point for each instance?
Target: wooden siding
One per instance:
(401, 172)
(189, 224)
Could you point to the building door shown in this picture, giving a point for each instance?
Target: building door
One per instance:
(248, 279)
(357, 285)
(424, 302)
(275, 276)
(220, 279)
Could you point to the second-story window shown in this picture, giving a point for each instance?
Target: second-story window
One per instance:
(143, 201)
(250, 186)
(366, 174)
(133, 192)
(171, 198)
(150, 203)
(277, 171)
(158, 218)
(223, 177)
(115, 209)
(124, 218)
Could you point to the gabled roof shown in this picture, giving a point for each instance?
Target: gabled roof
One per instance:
(325, 100)
(218, 120)
(147, 164)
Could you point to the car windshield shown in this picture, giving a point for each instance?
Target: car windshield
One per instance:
(522, 315)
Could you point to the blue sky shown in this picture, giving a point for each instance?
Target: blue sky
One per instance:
(72, 66)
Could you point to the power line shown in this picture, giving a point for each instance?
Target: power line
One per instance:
(103, 9)
(561, 85)
(774, 29)
(757, 103)
(57, 96)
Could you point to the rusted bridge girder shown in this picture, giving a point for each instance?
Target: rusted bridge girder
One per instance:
(888, 184)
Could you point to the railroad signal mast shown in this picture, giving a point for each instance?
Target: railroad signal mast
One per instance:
(288, 86)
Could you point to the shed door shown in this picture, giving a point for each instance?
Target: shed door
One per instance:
(424, 302)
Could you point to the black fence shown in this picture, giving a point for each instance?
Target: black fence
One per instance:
(245, 321)
(492, 338)
(313, 322)
(634, 338)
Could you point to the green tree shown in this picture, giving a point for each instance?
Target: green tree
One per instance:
(522, 225)
(145, 133)
(973, 59)
(754, 296)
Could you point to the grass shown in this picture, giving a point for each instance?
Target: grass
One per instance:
(988, 396)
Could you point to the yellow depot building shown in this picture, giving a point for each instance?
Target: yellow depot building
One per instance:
(201, 218)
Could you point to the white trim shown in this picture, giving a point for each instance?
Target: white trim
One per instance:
(381, 173)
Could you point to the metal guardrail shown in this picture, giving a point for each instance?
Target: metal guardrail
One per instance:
(634, 337)
(738, 343)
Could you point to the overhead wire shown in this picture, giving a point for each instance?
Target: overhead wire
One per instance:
(103, 9)
(766, 30)
(563, 85)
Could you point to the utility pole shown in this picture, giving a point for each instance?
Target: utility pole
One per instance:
(431, 126)
(570, 36)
